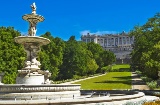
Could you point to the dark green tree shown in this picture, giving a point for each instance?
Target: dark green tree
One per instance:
(102, 57)
(77, 60)
(51, 55)
(12, 55)
(108, 58)
(96, 50)
(146, 47)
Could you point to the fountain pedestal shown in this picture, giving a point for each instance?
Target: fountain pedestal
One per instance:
(31, 73)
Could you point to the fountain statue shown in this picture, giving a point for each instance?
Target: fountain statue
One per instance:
(33, 6)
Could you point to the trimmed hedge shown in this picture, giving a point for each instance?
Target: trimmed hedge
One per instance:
(116, 68)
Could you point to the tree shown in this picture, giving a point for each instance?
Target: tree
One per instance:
(108, 58)
(102, 57)
(145, 54)
(96, 50)
(12, 54)
(51, 55)
(77, 60)
(89, 61)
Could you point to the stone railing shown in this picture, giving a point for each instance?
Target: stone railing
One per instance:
(38, 88)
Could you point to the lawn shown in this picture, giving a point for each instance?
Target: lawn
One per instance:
(121, 66)
(109, 81)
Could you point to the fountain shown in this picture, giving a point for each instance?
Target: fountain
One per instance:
(31, 73)
(32, 82)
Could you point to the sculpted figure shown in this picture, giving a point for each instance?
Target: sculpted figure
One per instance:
(32, 29)
(35, 62)
(34, 52)
(33, 6)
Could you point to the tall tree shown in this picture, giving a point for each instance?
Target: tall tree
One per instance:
(146, 46)
(12, 55)
(96, 50)
(51, 55)
(108, 58)
(102, 57)
(77, 60)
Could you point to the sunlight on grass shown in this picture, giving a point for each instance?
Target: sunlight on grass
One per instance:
(120, 66)
(112, 80)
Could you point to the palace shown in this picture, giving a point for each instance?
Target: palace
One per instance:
(119, 44)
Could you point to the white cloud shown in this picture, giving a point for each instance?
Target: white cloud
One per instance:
(106, 32)
(84, 32)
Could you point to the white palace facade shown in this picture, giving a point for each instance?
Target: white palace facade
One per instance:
(119, 44)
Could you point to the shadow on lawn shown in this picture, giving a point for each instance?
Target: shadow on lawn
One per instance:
(134, 81)
(124, 78)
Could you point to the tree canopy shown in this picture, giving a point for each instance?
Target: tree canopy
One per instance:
(12, 55)
(147, 46)
(64, 59)
(51, 55)
(102, 57)
(77, 60)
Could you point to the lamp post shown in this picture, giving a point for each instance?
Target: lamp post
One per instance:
(121, 60)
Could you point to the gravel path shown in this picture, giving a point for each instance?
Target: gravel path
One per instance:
(138, 83)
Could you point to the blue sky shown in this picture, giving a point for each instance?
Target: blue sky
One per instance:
(64, 18)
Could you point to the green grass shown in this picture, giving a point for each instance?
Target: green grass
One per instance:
(121, 66)
(112, 80)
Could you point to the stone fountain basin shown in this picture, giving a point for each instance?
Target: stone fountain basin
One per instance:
(35, 17)
(38, 88)
(25, 91)
(32, 39)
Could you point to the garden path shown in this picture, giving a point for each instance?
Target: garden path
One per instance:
(138, 83)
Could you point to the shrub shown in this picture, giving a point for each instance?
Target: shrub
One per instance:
(76, 77)
(106, 69)
(138, 72)
(146, 79)
(120, 68)
(115, 70)
(124, 70)
(152, 84)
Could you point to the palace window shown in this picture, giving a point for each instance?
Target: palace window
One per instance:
(92, 40)
(88, 40)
